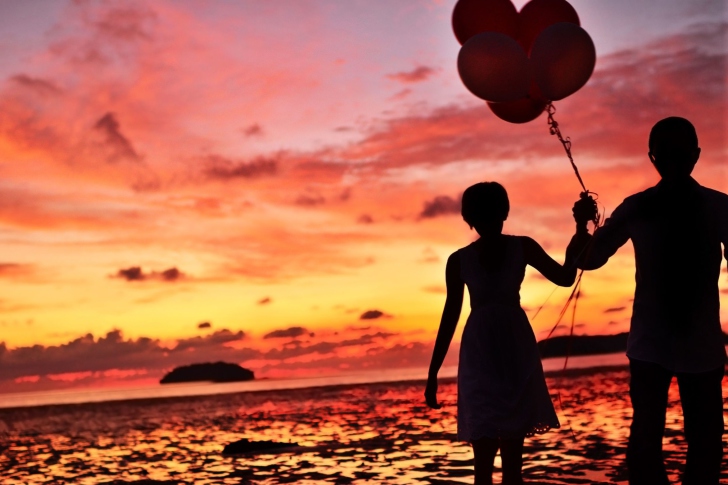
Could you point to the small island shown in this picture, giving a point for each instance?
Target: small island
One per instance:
(211, 372)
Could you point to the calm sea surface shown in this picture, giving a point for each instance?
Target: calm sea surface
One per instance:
(352, 433)
(75, 396)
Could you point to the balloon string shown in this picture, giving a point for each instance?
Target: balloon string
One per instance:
(554, 129)
(576, 291)
(573, 297)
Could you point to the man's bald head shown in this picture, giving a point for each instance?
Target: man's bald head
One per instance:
(674, 147)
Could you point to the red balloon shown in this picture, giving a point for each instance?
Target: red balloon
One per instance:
(522, 110)
(536, 15)
(471, 17)
(494, 67)
(563, 59)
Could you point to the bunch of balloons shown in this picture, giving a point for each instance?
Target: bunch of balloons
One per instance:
(521, 61)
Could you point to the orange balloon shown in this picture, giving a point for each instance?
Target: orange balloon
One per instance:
(536, 15)
(522, 110)
(563, 59)
(494, 67)
(471, 17)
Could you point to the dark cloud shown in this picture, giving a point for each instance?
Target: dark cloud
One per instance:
(297, 349)
(112, 351)
(615, 309)
(204, 325)
(37, 85)
(151, 357)
(418, 74)
(264, 301)
(117, 147)
(253, 130)
(310, 200)
(373, 315)
(413, 354)
(215, 339)
(222, 168)
(440, 206)
(291, 332)
(171, 274)
(135, 273)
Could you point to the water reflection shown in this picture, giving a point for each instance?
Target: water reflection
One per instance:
(373, 433)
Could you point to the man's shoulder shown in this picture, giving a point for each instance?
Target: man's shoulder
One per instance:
(634, 201)
(717, 204)
(715, 195)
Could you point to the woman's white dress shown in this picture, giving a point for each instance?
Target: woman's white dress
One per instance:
(502, 392)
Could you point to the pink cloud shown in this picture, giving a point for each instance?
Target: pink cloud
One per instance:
(221, 168)
(114, 357)
(418, 74)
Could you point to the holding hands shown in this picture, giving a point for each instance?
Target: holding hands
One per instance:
(584, 210)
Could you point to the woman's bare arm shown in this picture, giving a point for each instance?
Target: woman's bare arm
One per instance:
(448, 322)
(562, 275)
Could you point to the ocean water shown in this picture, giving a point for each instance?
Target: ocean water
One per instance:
(358, 433)
(77, 396)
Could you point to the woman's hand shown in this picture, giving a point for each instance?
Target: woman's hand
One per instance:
(431, 393)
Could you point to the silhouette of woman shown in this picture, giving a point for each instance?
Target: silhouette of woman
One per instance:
(502, 394)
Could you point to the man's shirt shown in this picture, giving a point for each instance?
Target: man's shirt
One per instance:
(677, 236)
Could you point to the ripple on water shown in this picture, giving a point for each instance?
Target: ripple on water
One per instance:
(363, 434)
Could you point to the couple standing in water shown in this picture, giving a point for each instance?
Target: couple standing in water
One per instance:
(676, 228)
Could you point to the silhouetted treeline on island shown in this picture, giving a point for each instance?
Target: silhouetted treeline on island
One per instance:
(211, 372)
(587, 345)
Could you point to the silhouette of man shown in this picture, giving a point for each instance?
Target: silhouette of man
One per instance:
(676, 228)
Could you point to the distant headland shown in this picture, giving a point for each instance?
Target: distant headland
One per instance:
(587, 345)
(210, 372)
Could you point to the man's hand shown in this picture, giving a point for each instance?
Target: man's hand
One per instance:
(585, 210)
(431, 393)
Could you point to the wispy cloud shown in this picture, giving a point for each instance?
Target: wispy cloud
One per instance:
(291, 332)
(38, 85)
(115, 144)
(222, 168)
(253, 130)
(416, 75)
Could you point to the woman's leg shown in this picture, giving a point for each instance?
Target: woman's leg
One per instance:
(484, 451)
(512, 459)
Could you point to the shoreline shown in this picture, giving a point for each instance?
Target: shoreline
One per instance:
(200, 391)
(141, 401)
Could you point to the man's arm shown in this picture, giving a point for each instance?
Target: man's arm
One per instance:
(593, 252)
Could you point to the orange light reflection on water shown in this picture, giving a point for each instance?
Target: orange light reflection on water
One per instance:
(364, 433)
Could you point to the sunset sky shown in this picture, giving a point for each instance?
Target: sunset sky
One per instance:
(276, 183)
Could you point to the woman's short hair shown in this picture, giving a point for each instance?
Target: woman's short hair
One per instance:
(485, 202)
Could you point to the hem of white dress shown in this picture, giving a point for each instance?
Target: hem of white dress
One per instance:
(537, 429)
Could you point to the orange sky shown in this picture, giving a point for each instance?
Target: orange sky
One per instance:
(294, 167)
